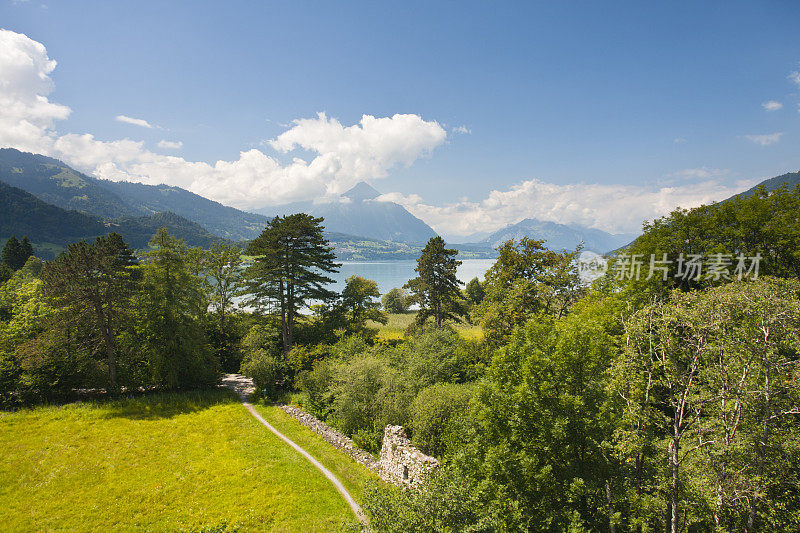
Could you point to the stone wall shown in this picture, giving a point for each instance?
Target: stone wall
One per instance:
(400, 462)
(333, 437)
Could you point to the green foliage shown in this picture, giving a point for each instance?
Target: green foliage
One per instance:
(474, 291)
(449, 502)
(222, 270)
(357, 299)
(267, 370)
(291, 261)
(764, 223)
(396, 301)
(91, 286)
(527, 279)
(170, 326)
(439, 417)
(436, 288)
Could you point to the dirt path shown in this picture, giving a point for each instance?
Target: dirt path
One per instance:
(243, 386)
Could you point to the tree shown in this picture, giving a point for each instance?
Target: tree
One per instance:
(291, 261)
(436, 288)
(223, 274)
(474, 291)
(92, 284)
(25, 251)
(11, 253)
(527, 279)
(170, 327)
(357, 299)
(396, 301)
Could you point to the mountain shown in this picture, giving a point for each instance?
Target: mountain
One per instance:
(56, 183)
(137, 231)
(51, 228)
(218, 219)
(23, 214)
(358, 212)
(53, 182)
(559, 236)
(791, 180)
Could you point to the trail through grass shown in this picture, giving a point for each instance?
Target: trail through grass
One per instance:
(168, 462)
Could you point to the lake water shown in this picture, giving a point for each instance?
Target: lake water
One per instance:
(391, 274)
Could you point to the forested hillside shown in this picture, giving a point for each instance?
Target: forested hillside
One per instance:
(22, 214)
(56, 183)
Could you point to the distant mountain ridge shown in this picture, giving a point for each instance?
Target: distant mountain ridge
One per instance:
(790, 179)
(559, 236)
(56, 183)
(358, 212)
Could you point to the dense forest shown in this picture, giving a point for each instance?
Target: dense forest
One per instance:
(662, 396)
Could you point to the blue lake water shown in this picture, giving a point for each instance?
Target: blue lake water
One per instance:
(391, 274)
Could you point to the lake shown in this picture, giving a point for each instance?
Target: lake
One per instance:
(391, 274)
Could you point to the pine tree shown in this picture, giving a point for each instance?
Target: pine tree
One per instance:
(11, 253)
(436, 289)
(93, 284)
(292, 260)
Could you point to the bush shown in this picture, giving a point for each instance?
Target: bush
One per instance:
(438, 417)
(267, 372)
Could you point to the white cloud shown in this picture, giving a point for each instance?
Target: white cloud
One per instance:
(795, 77)
(339, 156)
(764, 140)
(26, 115)
(134, 121)
(462, 129)
(679, 140)
(170, 145)
(772, 105)
(613, 208)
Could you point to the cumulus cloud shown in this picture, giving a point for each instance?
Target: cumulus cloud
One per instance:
(613, 208)
(462, 129)
(772, 105)
(26, 114)
(764, 140)
(134, 121)
(170, 145)
(336, 156)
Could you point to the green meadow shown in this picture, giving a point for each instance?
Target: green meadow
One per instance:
(195, 461)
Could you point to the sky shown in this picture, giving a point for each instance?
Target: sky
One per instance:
(473, 115)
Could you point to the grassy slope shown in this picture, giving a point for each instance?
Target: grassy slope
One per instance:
(169, 462)
(395, 327)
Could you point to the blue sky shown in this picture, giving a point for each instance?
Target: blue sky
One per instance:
(633, 95)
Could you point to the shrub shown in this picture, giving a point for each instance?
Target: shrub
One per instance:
(266, 370)
(438, 417)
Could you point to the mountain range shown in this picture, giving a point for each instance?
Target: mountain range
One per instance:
(359, 212)
(54, 182)
(54, 204)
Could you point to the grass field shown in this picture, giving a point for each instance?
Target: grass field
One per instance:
(169, 462)
(394, 329)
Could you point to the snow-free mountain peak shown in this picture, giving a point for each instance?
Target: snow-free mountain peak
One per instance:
(362, 191)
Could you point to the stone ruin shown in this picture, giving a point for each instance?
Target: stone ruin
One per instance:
(400, 462)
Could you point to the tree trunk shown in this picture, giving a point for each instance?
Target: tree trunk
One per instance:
(673, 495)
(612, 528)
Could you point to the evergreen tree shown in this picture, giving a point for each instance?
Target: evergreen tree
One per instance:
(292, 260)
(92, 284)
(11, 253)
(25, 251)
(436, 288)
